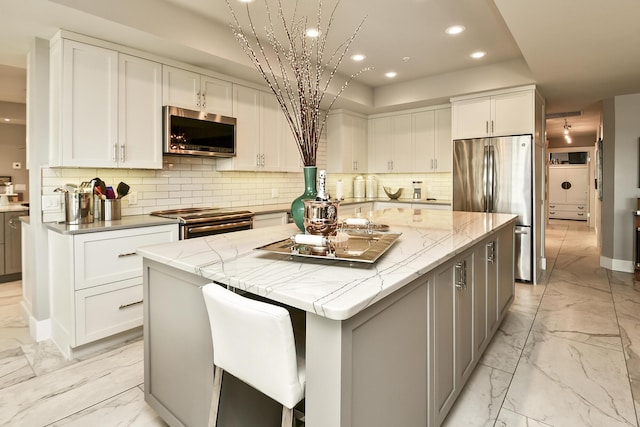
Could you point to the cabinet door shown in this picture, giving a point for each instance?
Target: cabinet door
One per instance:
(401, 144)
(12, 242)
(512, 113)
(443, 151)
(358, 128)
(2, 244)
(464, 325)
(578, 177)
(443, 340)
(139, 113)
(471, 118)
(271, 136)
(292, 160)
(180, 88)
(557, 176)
(246, 106)
(346, 143)
(492, 286)
(424, 132)
(216, 96)
(481, 259)
(89, 106)
(380, 145)
(506, 279)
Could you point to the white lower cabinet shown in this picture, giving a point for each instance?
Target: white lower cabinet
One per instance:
(96, 282)
(269, 219)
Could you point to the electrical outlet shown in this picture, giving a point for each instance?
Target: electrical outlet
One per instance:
(133, 198)
(274, 193)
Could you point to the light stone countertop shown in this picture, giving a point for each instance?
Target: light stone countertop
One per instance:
(330, 288)
(133, 221)
(13, 207)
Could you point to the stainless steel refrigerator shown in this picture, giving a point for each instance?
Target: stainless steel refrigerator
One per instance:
(495, 175)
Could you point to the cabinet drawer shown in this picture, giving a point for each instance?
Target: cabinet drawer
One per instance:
(567, 207)
(558, 214)
(106, 310)
(107, 257)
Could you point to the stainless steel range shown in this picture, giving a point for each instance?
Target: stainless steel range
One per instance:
(199, 222)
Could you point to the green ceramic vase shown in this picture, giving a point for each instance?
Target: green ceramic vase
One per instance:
(310, 192)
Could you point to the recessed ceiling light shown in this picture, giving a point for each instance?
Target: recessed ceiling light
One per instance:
(7, 119)
(245, 1)
(358, 57)
(312, 32)
(477, 55)
(391, 74)
(455, 29)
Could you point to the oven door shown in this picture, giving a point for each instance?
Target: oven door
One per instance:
(217, 227)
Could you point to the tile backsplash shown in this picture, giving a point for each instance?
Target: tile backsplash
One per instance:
(195, 182)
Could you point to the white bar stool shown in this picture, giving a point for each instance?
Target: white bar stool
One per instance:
(254, 341)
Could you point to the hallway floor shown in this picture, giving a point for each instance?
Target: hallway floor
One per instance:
(565, 355)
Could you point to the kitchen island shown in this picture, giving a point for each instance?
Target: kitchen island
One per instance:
(389, 343)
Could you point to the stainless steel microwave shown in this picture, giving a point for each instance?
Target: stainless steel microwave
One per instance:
(196, 133)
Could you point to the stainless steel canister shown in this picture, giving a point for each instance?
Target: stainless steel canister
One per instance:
(321, 217)
(110, 209)
(78, 208)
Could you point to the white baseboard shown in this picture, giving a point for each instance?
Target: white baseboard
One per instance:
(616, 264)
(40, 330)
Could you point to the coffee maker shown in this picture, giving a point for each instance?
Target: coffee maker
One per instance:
(417, 190)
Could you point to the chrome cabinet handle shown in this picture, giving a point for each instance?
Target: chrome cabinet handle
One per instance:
(131, 304)
(461, 269)
(122, 151)
(114, 154)
(127, 254)
(204, 100)
(486, 127)
(491, 252)
(198, 100)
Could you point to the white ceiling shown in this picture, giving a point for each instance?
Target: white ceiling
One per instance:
(578, 52)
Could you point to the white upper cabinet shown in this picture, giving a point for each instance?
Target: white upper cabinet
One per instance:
(346, 143)
(390, 144)
(187, 89)
(139, 113)
(264, 141)
(431, 132)
(497, 114)
(414, 141)
(106, 108)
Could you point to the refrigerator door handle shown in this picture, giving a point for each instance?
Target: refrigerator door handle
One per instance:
(490, 178)
(522, 231)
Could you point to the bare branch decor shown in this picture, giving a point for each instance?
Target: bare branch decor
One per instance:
(295, 68)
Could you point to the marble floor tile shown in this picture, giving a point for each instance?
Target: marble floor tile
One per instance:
(45, 357)
(14, 368)
(507, 418)
(125, 409)
(626, 299)
(567, 383)
(50, 397)
(527, 297)
(635, 389)
(579, 313)
(480, 400)
(583, 270)
(12, 338)
(505, 348)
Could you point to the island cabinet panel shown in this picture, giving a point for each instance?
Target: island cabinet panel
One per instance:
(506, 277)
(389, 346)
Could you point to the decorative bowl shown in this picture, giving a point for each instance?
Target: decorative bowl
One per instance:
(392, 195)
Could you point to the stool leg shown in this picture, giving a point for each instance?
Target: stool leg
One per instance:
(287, 417)
(215, 396)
